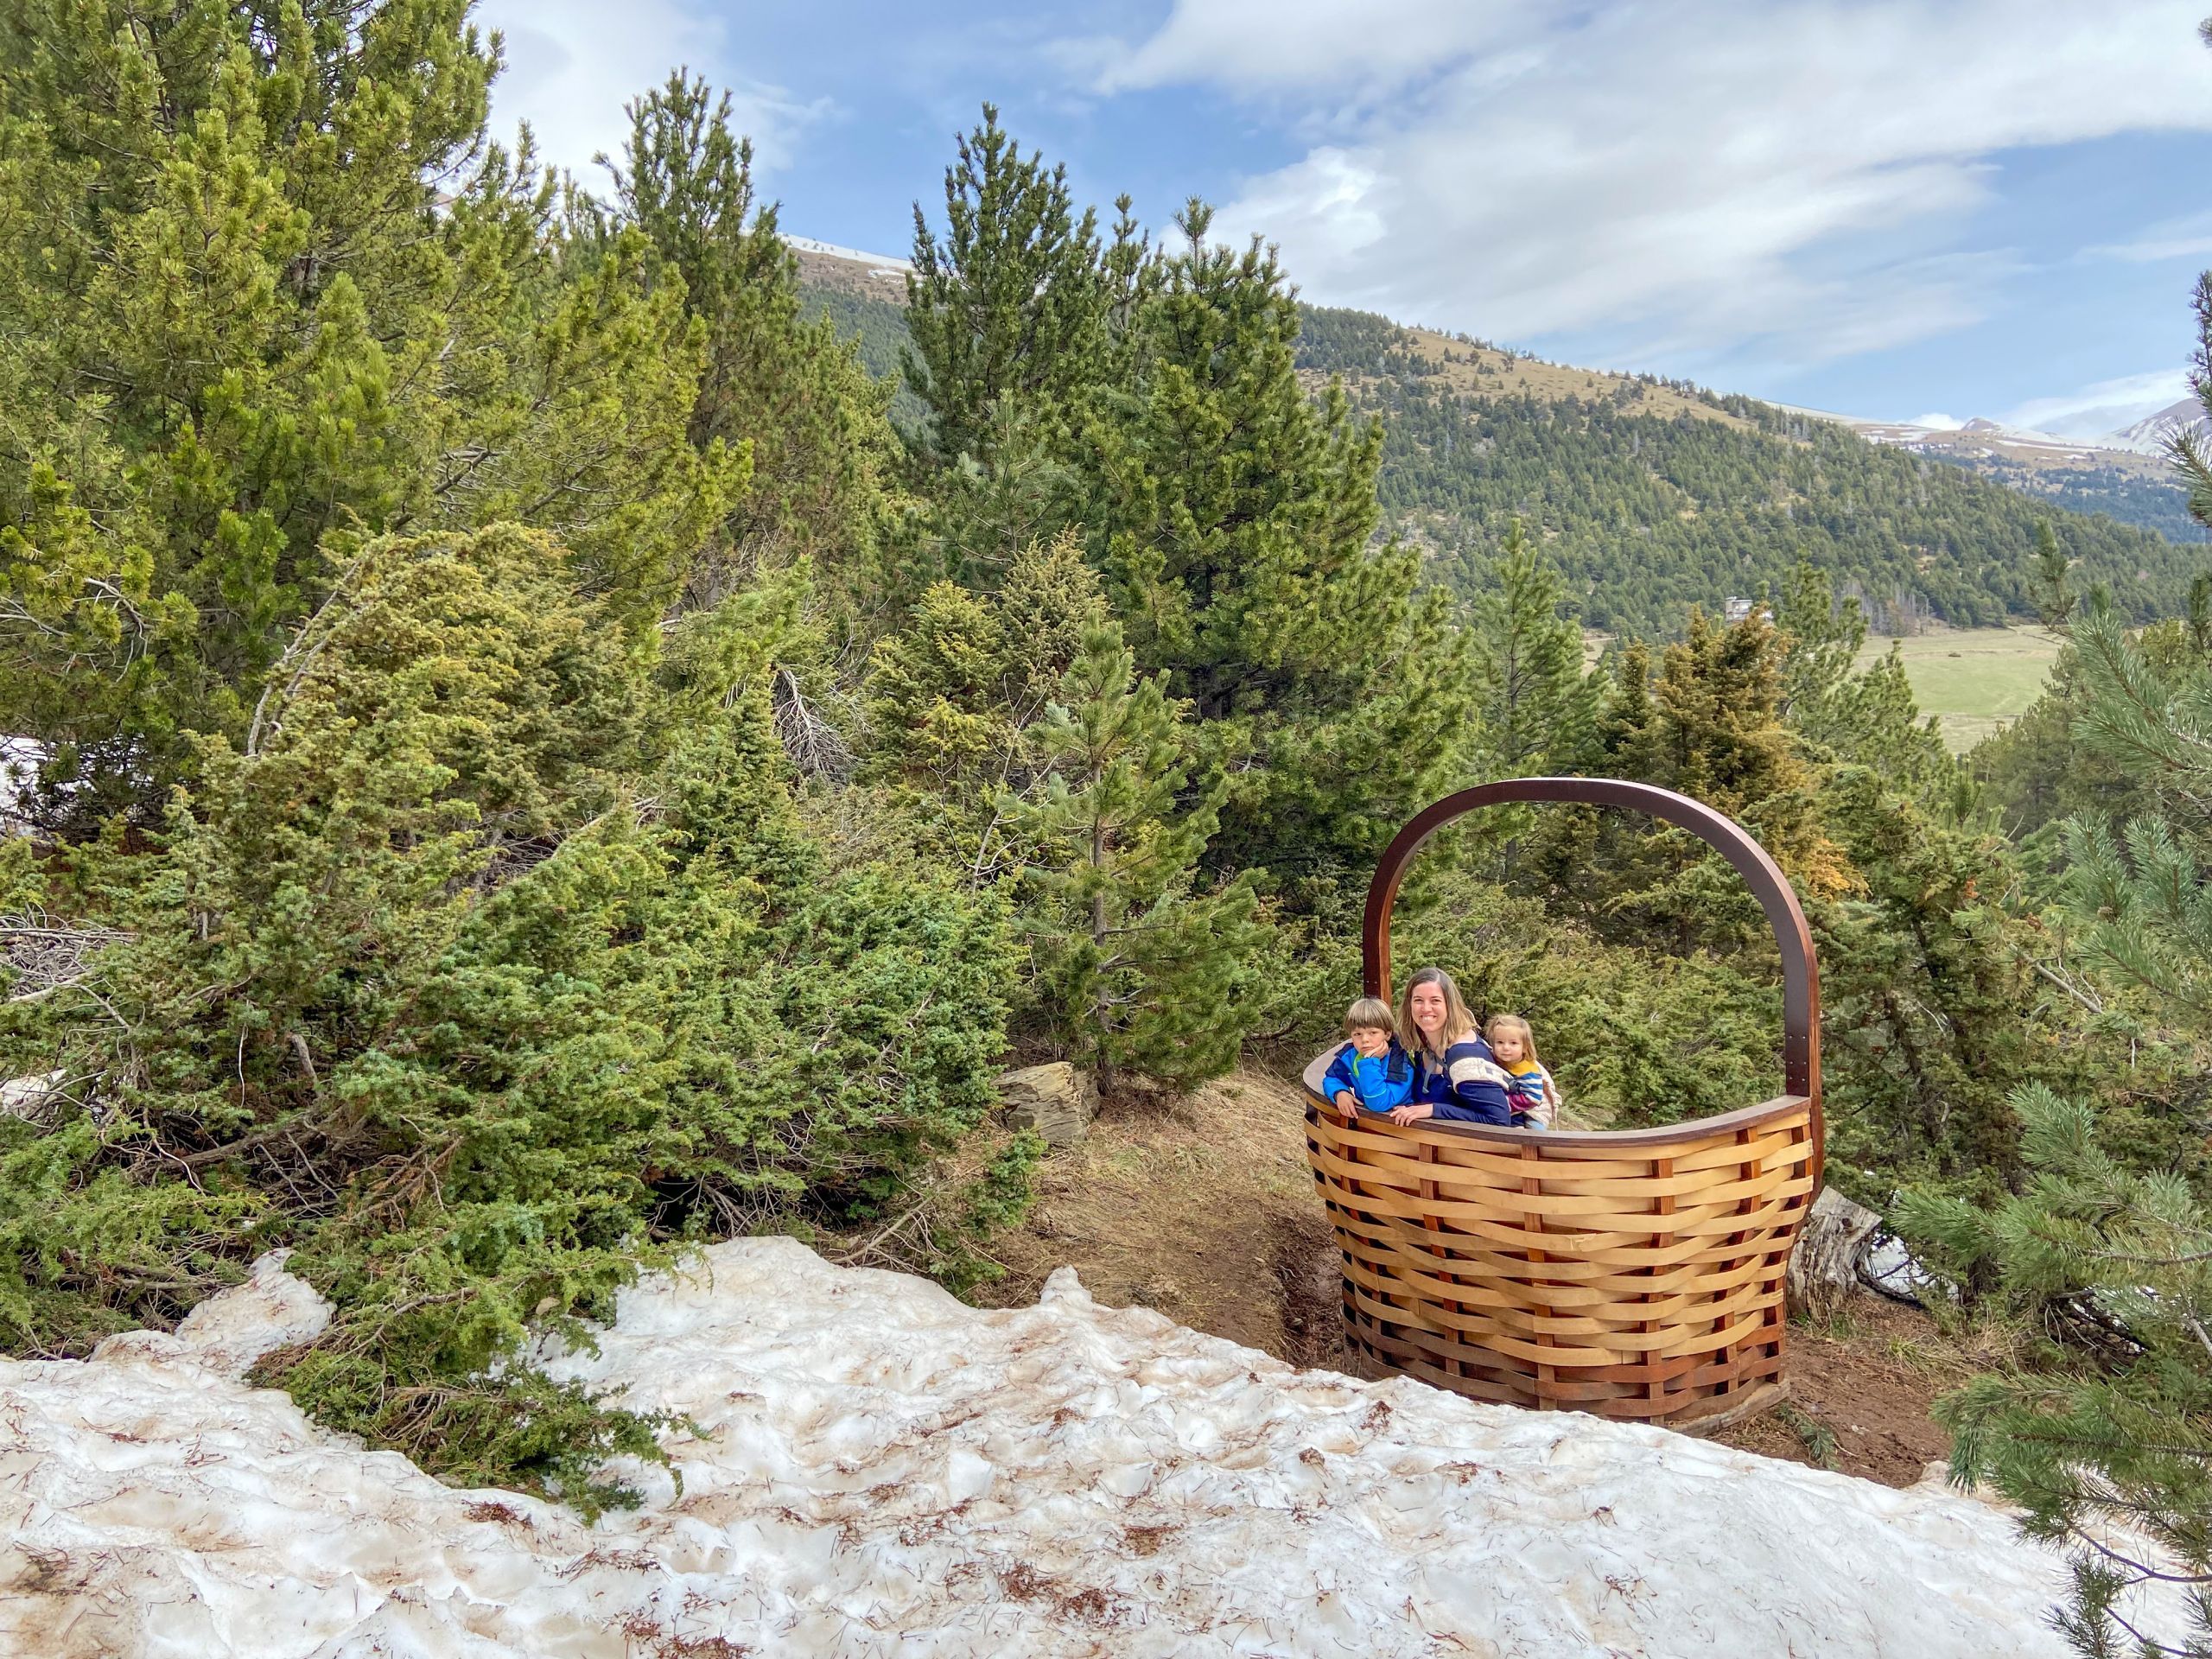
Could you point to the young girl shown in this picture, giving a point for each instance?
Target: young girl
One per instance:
(1455, 1078)
(1536, 1096)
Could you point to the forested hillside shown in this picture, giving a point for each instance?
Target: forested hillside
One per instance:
(2122, 493)
(1651, 497)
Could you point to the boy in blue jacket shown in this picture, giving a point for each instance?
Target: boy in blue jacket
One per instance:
(1372, 1073)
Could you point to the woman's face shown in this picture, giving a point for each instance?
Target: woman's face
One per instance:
(1428, 1005)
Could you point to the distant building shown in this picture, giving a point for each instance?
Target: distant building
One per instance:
(1738, 610)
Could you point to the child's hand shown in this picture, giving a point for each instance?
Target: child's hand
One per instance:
(1412, 1112)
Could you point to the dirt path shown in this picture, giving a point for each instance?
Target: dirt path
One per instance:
(1201, 1207)
(1204, 1208)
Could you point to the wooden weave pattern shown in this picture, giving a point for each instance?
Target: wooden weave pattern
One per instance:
(1636, 1276)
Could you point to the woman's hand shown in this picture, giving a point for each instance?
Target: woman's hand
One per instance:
(1412, 1112)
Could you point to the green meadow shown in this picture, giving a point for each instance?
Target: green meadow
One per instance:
(1976, 678)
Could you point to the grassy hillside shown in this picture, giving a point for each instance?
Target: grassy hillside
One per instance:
(1977, 679)
(1653, 496)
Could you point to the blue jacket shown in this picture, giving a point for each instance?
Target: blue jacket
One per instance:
(1377, 1084)
(1469, 1087)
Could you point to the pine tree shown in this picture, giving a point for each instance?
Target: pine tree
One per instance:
(1231, 515)
(2141, 891)
(271, 292)
(1869, 718)
(952, 697)
(2121, 1256)
(2090, 1241)
(1138, 971)
(2192, 461)
(1706, 725)
(1008, 311)
(2054, 590)
(1538, 710)
(1715, 734)
(813, 422)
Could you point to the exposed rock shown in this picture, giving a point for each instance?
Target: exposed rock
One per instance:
(1824, 1268)
(870, 1468)
(1056, 1100)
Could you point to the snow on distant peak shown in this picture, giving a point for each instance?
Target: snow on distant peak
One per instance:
(870, 1468)
(890, 262)
(2150, 435)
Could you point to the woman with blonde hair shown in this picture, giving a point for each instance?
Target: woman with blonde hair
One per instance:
(1456, 1078)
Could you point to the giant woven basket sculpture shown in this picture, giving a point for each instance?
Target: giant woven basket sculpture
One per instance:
(1634, 1275)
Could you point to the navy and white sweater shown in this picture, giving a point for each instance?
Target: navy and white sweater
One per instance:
(1468, 1086)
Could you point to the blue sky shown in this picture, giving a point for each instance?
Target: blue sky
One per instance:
(1885, 207)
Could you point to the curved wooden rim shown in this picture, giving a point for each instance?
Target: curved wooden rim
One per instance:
(1688, 1130)
(1800, 982)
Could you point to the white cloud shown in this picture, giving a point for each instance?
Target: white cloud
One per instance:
(571, 66)
(1937, 422)
(2103, 408)
(2173, 238)
(1703, 175)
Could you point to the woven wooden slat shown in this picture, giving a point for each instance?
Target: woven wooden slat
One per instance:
(1636, 1275)
(1509, 1266)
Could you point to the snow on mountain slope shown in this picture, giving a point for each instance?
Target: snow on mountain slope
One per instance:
(2150, 435)
(878, 264)
(874, 1468)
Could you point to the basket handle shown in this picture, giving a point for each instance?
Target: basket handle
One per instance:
(1801, 979)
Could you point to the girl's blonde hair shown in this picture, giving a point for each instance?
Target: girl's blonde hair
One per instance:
(1513, 1022)
(1458, 1022)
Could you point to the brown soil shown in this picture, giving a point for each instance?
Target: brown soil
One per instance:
(1202, 1208)
(1867, 1377)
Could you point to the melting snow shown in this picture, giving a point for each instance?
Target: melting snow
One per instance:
(872, 1468)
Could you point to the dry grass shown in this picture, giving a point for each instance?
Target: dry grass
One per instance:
(1480, 372)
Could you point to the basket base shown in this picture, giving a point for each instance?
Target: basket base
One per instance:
(1732, 1409)
(1701, 1417)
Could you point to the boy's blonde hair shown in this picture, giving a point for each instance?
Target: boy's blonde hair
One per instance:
(1369, 1014)
(1513, 1022)
(1458, 1022)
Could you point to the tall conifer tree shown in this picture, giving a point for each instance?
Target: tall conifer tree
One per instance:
(815, 423)
(1007, 312)
(1231, 514)
(1539, 711)
(269, 291)
(1138, 971)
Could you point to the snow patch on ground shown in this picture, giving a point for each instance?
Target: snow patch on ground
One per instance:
(872, 1468)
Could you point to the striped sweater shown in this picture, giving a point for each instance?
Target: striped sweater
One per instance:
(1534, 1094)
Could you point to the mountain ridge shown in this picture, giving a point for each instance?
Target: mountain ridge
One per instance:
(1653, 495)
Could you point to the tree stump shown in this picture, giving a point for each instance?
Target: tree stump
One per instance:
(1825, 1268)
(1057, 1100)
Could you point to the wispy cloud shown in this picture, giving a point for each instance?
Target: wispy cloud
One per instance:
(2190, 237)
(571, 66)
(1705, 175)
(2103, 407)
